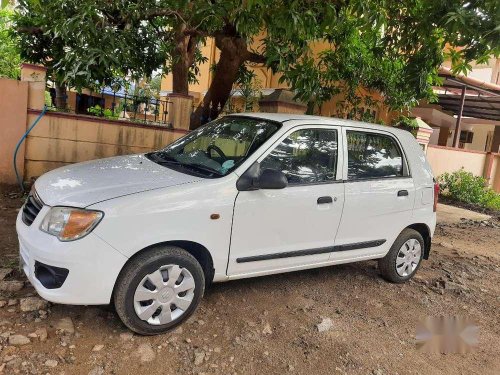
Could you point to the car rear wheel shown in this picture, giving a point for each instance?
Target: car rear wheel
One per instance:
(158, 290)
(404, 258)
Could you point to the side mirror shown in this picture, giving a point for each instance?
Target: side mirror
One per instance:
(272, 179)
(249, 180)
(255, 179)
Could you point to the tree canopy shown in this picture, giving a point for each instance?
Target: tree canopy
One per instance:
(9, 52)
(392, 47)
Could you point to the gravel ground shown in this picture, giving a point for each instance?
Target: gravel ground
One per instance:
(336, 320)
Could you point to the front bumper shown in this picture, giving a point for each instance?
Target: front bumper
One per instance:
(93, 264)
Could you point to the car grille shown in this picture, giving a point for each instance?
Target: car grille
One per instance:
(31, 208)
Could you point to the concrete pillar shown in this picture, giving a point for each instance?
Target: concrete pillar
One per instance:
(36, 77)
(456, 136)
(424, 133)
(180, 108)
(281, 101)
(13, 102)
(443, 136)
(488, 164)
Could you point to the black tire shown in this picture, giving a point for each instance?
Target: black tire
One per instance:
(387, 264)
(144, 264)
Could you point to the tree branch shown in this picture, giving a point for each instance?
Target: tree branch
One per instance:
(255, 57)
(30, 30)
(193, 32)
(162, 13)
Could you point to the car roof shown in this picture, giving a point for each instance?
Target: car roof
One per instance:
(287, 118)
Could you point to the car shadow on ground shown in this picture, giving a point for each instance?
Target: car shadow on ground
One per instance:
(329, 275)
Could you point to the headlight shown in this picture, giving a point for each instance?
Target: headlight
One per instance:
(69, 224)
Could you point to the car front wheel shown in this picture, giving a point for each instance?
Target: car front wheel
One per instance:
(158, 289)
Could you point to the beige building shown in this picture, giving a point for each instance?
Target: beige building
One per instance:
(267, 83)
(474, 98)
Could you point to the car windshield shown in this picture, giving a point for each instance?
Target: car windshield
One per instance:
(217, 148)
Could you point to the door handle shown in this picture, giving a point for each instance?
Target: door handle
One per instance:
(403, 193)
(324, 200)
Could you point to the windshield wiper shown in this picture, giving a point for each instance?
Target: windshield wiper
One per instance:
(163, 159)
(202, 168)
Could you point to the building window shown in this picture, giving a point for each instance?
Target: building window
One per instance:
(466, 136)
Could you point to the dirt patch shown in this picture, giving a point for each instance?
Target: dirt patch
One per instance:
(10, 202)
(336, 320)
(470, 206)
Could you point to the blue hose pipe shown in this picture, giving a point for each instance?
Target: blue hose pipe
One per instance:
(19, 180)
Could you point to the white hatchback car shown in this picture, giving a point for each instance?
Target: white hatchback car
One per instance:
(245, 195)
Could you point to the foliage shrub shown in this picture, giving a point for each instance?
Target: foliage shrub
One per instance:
(407, 123)
(463, 186)
(48, 99)
(97, 110)
(492, 199)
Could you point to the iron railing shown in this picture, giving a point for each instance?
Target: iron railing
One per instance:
(139, 109)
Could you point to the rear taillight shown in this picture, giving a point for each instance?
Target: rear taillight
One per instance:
(436, 195)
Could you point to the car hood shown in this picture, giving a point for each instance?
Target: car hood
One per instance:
(83, 184)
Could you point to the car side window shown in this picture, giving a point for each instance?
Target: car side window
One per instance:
(306, 156)
(372, 155)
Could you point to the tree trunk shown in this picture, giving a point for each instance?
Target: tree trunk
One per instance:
(180, 78)
(234, 53)
(310, 107)
(181, 63)
(61, 96)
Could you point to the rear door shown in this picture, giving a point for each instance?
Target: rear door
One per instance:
(275, 230)
(379, 194)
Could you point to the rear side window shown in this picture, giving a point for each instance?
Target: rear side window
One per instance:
(372, 155)
(307, 156)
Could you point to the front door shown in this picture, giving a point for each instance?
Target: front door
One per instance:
(275, 230)
(379, 195)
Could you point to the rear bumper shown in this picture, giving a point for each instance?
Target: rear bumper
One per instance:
(93, 265)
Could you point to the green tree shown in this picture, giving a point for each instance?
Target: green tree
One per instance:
(155, 84)
(392, 47)
(35, 23)
(136, 34)
(54, 33)
(10, 58)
